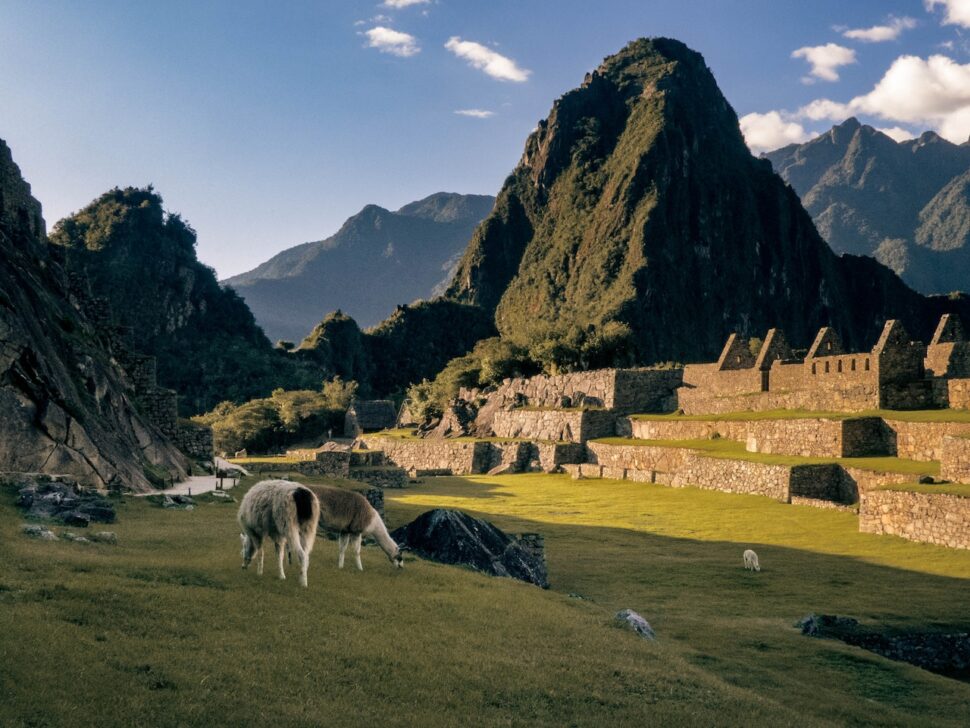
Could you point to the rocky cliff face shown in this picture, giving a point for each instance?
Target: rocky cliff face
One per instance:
(638, 202)
(377, 260)
(905, 203)
(65, 405)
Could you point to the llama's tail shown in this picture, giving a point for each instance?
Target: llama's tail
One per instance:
(307, 516)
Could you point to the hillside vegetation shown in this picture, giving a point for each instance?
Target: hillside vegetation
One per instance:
(142, 259)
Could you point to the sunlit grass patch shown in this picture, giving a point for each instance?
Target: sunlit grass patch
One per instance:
(734, 450)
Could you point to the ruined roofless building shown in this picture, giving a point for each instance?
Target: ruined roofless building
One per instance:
(896, 373)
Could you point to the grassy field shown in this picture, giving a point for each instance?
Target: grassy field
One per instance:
(164, 629)
(939, 415)
(734, 450)
(959, 489)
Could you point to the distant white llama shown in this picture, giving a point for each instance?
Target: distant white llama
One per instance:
(751, 561)
(350, 515)
(286, 513)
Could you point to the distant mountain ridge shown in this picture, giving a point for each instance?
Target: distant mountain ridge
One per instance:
(905, 203)
(376, 261)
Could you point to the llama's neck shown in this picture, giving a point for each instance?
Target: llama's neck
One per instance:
(378, 531)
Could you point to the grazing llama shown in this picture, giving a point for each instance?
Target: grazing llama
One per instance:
(350, 515)
(284, 512)
(751, 561)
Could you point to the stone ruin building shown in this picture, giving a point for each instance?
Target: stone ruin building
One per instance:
(896, 373)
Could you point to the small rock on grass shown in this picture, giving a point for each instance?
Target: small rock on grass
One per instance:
(104, 537)
(68, 536)
(35, 530)
(638, 624)
(816, 625)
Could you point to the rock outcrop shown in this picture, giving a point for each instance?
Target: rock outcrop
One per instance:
(637, 204)
(65, 405)
(452, 537)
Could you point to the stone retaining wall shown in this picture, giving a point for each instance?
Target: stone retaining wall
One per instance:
(336, 465)
(637, 457)
(554, 425)
(451, 456)
(935, 518)
(194, 440)
(924, 440)
(686, 429)
(679, 466)
(858, 437)
(161, 408)
(734, 476)
(955, 460)
(386, 476)
(958, 393)
(552, 456)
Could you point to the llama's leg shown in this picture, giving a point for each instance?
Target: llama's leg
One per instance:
(357, 540)
(280, 555)
(302, 555)
(258, 546)
(342, 541)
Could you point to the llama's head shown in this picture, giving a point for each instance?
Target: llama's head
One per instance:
(397, 558)
(247, 549)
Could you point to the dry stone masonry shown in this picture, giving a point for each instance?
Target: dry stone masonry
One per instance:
(936, 518)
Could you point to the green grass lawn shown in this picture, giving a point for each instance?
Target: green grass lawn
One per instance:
(958, 489)
(940, 415)
(734, 450)
(164, 629)
(409, 434)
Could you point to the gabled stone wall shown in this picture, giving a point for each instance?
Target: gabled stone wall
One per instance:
(891, 376)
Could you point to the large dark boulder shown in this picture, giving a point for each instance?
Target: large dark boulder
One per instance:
(452, 537)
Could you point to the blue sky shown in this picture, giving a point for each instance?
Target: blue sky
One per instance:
(267, 124)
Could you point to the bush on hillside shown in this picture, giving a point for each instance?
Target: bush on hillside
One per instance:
(281, 420)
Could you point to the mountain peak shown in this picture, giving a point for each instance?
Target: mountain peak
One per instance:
(638, 210)
(375, 261)
(449, 207)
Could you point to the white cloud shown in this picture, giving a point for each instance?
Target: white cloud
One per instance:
(897, 133)
(825, 60)
(764, 132)
(477, 113)
(880, 33)
(391, 41)
(820, 109)
(485, 59)
(956, 12)
(933, 92)
(398, 4)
